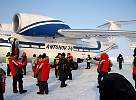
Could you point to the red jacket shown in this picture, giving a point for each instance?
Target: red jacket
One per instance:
(134, 70)
(104, 63)
(43, 70)
(24, 60)
(15, 67)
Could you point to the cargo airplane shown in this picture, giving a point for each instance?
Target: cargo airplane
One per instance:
(37, 34)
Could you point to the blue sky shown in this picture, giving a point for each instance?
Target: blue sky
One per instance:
(76, 13)
(85, 14)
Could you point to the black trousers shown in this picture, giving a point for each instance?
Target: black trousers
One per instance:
(63, 77)
(24, 67)
(43, 87)
(18, 79)
(134, 78)
(100, 76)
(63, 84)
(120, 65)
(88, 65)
(69, 75)
(1, 96)
(8, 70)
(56, 71)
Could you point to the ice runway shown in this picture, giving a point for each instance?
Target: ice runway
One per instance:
(82, 87)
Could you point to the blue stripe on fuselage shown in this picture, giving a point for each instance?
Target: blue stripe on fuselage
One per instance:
(39, 23)
(48, 30)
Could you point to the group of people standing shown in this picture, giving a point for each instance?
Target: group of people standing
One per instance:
(23, 59)
(16, 66)
(63, 67)
(63, 70)
(41, 69)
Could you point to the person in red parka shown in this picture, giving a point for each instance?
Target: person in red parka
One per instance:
(42, 72)
(103, 67)
(134, 67)
(16, 71)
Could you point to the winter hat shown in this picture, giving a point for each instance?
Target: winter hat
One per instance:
(24, 53)
(63, 54)
(43, 55)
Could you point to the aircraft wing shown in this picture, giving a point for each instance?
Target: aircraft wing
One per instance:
(5, 33)
(22, 44)
(88, 33)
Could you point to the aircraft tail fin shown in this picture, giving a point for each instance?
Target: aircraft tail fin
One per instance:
(116, 25)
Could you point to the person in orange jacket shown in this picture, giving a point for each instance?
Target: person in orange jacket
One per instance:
(103, 67)
(134, 67)
(42, 72)
(16, 71)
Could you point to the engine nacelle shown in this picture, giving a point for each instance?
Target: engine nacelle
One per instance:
(35, 25)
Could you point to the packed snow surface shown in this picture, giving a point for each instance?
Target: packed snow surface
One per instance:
(82, 87)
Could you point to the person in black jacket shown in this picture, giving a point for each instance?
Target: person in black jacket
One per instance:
(69, 65)
(120, 60)
(63, 70)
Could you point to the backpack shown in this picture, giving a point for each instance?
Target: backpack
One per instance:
(57, 61)
(116, 87)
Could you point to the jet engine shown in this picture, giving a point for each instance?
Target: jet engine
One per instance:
(35, 25)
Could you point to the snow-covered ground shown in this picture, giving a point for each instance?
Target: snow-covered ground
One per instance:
(82, 87)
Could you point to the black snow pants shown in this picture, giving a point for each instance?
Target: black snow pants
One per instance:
(18, 78)
(1, 96)
(43, 87)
